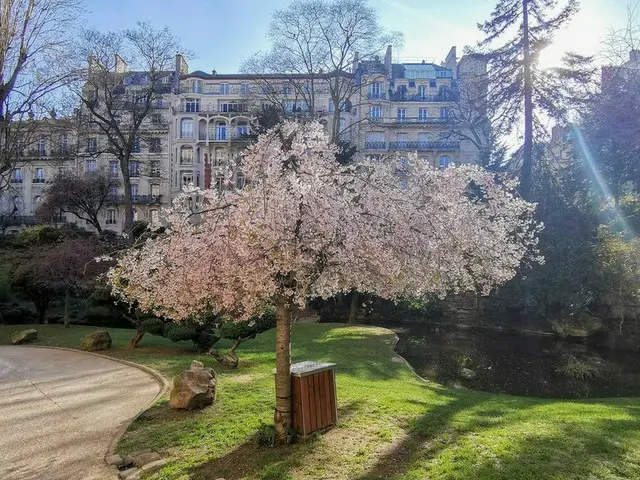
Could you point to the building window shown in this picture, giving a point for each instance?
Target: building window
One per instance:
(412, 83)
(135, 148)
(432, 83)
(186, 128)
(134, 169)
(444, 112)
(221, 131)
(422, 92)
(402, 114)
(240, 180)
(159, 103)
(243, 129)
(134, 191)
(224, 89)
(113, 192)
(37, 200)
(245, 88)
(192, 105)
(113, 168)
(91, 166)
(444, 161)
(16, 176)
(92, 144)
(64, 144)
(39, 175)
(154, 216)
(155, 168)
(195, 86)
(374, 90)
(186, 156)
(187, 178)
(219, 183)
(156, 118)
(111, 217)
(154, 145)
(401, 140)
(375, 112)
(42, 146)
(155, 190)
(423, 114)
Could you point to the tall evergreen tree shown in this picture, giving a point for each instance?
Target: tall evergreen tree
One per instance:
(515, 34)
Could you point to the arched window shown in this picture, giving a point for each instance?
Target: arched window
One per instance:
(18, 206)
(186, 128)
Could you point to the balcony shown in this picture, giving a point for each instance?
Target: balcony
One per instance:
(432, 145)
(16, 180)
(405, 97)
(377, 96)
(412, 120)
(139, 199)
(39, 180)
(375, 145)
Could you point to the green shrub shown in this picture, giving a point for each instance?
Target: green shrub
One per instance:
(266, 435)
(581, 368)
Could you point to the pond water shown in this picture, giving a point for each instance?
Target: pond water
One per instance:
(516, 363)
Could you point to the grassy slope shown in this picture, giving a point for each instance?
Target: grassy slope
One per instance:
(391, 424)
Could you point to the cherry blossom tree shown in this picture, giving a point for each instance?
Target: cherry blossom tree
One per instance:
(306, 226)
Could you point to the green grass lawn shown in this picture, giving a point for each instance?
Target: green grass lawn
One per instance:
(391, 424)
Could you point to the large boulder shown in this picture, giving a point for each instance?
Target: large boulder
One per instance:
(578, 326)
(193, 388)
(24, 336)
(100, 340)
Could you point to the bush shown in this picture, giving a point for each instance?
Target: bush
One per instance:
(15, 315)
(581, 368)
(266, 435)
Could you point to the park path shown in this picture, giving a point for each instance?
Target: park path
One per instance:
(60, 410)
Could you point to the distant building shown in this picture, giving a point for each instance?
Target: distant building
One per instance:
(201, 122)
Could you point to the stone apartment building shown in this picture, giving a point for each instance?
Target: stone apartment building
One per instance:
(199, 125)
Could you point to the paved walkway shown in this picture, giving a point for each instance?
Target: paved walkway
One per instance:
(59, 411)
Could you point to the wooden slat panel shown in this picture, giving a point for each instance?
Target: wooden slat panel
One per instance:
(306, 401)
(332, 394)
(313, 425)
(297, 405)
(326, 406)
(327, 397)
(319, 398)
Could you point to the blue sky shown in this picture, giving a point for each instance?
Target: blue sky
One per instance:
(223, 32)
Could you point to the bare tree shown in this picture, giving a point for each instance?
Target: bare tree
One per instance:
(316, 45)
(127, 75)
(82, 195)
(35, 39)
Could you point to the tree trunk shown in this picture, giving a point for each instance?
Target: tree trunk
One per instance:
(128, 201)
(526, 180)
(136, 338)
(284, 403)
(67, 297)
(42, 311)
(353, 309)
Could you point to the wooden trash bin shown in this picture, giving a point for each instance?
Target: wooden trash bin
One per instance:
(314, 396)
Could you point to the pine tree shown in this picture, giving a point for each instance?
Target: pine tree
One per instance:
(515, 34)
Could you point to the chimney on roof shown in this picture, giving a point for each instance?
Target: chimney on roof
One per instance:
(387, 59)
(182, 68)
(356, 61)
(121, 65)
(213, 72)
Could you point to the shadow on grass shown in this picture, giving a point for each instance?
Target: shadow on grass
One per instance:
(496, 440)
(272, 463)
